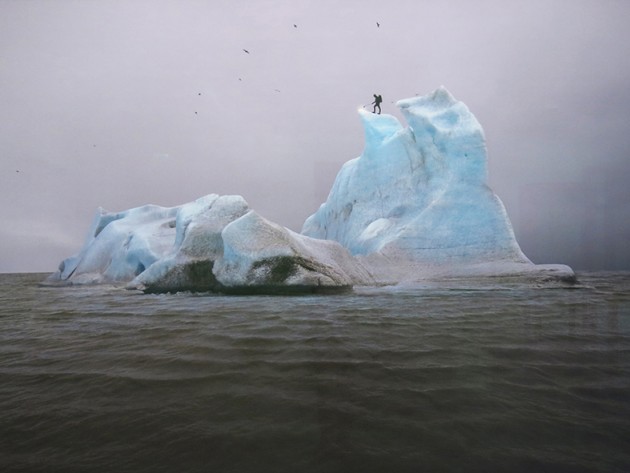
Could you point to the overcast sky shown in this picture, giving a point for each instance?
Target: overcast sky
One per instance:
(123, 103)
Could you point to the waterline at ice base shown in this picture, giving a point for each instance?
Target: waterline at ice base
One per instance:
(414, 207)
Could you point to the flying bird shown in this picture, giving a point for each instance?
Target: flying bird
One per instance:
(378, 25)
(294, 25)
(246, 51)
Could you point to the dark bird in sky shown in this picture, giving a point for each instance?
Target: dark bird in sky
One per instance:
(294, 25)
(277, 90)
(378, 25)
(199, 93)
(246, 51)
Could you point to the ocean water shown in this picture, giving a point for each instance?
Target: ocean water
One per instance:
(481, 377)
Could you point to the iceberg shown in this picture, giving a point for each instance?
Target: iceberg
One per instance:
(416, 203)
(414, 206)
(215, 243)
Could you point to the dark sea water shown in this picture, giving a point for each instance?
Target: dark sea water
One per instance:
(441, 378)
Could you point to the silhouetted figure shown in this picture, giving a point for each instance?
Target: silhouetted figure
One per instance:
(377, 103)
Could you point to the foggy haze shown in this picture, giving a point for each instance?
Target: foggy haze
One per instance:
(123, 103)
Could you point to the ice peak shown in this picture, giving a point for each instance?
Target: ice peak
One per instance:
(439, 99)
(422, 189)
(379, 127)
(439, 113)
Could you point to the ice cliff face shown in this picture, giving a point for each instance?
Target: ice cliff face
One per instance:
(419, 192)
(414, 206)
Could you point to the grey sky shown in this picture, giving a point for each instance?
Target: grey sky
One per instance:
(100, 106)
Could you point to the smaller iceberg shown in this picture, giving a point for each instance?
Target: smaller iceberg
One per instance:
(215, 243)
(414, 206)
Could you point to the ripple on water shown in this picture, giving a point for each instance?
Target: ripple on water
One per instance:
(482, 378)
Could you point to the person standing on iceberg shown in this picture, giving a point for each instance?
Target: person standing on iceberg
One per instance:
(377, 103)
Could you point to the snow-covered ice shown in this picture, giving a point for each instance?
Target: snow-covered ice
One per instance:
(414, 206)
